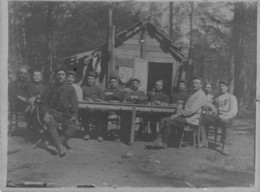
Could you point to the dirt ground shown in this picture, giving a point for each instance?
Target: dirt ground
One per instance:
(103, 163)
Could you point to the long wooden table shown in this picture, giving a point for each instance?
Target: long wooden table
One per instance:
(134, 108)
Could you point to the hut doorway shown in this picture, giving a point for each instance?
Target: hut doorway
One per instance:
(157, 71)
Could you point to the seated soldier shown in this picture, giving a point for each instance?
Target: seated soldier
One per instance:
(19, 91)
(93, 93)
(135, 95)
(155, 97)
(59, 105)
(188, 116)
(113, 93)
(207, 90)
(224, 110)
(181, 92)
(71, 81)
(131, 95)
(37, 90)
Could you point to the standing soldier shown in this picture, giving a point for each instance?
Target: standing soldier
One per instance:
(60, 106)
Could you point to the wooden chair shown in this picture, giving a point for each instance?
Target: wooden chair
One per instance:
(194, 130)
(13, 120)
(190, 129)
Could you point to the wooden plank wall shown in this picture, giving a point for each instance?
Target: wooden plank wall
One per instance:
(130, 49)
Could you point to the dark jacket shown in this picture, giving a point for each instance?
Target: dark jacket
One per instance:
(93, 92)
(158, 96)
(180, 95)
(117, 94)
(61, 98)
(19, 88)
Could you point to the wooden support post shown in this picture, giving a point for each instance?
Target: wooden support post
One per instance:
(133, 126)
(111, 44)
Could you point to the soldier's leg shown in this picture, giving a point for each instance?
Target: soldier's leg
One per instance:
(53, 131)
(225, 131)
(101, 124)
(125, 126)
(167, 125)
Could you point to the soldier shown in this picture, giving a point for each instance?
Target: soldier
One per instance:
(181, 93)
(93, 93)
(155, 97)
(113, 93)
(135, 95)
(19, 91)
(207, 90)
(71, 81)
(224, 109)
(188, 116)
(59, 106)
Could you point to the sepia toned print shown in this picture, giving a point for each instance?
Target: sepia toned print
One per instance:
(131, 94)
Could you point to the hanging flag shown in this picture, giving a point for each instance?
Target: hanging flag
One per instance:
(125, 73)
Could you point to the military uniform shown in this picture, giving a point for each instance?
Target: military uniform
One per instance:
(61, 102)
(94, 92)
(179, 95)
(153, 117)
(114, 94)
(142, 97)
(19, 88)
(189, 115)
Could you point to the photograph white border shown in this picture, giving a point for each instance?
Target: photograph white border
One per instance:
(4, 121)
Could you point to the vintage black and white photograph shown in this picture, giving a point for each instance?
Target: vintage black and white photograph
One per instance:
(131, 94)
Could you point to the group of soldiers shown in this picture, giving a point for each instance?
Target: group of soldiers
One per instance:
(53, 109)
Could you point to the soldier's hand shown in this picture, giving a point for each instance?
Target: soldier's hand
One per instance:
(174, 116)
(47, 118)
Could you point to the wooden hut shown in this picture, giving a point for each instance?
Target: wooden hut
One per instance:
(143, 51)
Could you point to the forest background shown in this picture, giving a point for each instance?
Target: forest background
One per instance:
(219, 38)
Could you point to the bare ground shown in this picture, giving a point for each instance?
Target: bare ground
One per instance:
(102, 163)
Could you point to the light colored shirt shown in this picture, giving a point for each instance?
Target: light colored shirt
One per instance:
(79, 92)
(209, 98)
(193, 106)
(226, 105)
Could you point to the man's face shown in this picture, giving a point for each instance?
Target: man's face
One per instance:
(60, 76)
(181, 86)
(23, 74)
(113, 83)
(222, 88)
(158, 86)
(71, 79)
(135, 85)
(207, 88)
(37, 76)
(91, 81)
(196, 84)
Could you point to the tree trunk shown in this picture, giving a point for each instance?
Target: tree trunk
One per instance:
(192, 66)
(171, 20)
(48, 25)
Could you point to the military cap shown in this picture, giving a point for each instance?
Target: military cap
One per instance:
(72, 73)
(223, 82)
(92, 74)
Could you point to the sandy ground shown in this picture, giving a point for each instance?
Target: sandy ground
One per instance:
(103, 163)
